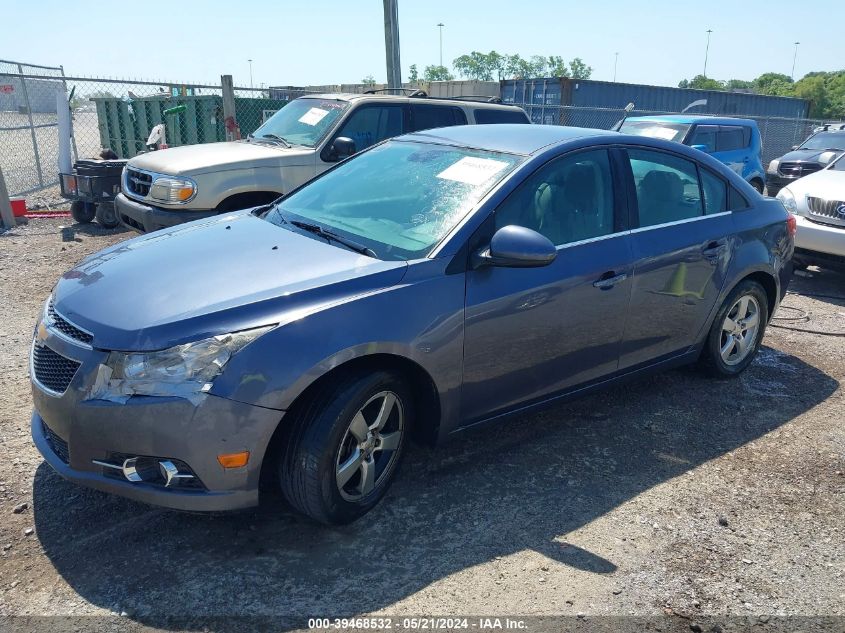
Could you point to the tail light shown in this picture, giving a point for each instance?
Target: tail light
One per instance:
(791, 225)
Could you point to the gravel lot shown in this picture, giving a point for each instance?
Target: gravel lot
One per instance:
(677, 497)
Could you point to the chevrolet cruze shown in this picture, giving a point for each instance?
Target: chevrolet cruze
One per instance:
(434, 282)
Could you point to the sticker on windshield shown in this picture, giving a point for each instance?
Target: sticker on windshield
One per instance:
(313, 116)
(472, 171)
(666, 133)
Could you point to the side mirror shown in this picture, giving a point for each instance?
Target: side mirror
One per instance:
(342, 147)
(702, 148)
(794, 147)
(516, 247)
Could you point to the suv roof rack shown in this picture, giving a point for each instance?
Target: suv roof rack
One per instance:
(831, 127)
(482, 98)
(412, 92)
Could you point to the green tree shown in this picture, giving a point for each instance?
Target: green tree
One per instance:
(413, 75)
(738, 84)
(776, 84)
(557, 67)
(701, 82)
(368, 80)
(579, 70)
(473, 66)
(539, 66)
(437, 73)
(517, 67)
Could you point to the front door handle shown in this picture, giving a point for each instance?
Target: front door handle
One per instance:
(608, 280)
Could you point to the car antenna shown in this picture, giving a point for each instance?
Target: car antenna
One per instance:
(628, 109)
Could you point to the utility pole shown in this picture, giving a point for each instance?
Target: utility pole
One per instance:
(615, 62)
(794, 57)
(707, 51)
(440, 26)
(391, 43)
(250, 72)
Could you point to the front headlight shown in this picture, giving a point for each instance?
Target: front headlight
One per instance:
(773, 166)
(788, 201)
(185, 370)
(169, 189)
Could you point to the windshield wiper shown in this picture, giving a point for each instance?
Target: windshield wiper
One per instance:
(316, 229)
(272, 137)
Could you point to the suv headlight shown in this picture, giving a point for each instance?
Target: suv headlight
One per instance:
(788, 200)
(185, 370)
(773, 166)
(169, 189)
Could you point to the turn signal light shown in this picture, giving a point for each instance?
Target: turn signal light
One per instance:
(791, 225)
(233, 460)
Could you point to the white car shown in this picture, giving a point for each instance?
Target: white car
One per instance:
(818, 202)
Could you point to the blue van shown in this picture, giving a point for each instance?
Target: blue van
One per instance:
(735, 142)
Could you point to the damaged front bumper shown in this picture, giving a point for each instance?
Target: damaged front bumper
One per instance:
(158, 450)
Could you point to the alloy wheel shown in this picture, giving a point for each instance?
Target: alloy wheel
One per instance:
(368, 450)
(740, 330)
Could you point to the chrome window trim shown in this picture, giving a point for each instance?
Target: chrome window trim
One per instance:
(677, 222)
(154, 175)
(590, 240)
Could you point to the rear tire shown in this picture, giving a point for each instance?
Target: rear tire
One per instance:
(345, 447)
(83, 212)
(107, 215)
(737, 331)
(758, 186)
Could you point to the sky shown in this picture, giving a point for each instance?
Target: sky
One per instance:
(341, 41)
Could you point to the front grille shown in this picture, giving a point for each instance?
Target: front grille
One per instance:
(65, 327)
(51, 369)
(57, 444)
(832, 210)
(138, 183)
(797, 170)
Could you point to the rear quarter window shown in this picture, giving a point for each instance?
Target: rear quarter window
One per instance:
(484, 116)
(426, 117)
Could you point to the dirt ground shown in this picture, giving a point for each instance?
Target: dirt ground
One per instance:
(678, 496)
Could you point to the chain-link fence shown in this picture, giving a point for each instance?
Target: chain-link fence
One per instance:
(110, 118)
(778, 135)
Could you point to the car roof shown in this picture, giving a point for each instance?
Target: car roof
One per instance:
(475, 101)
(511, 138)
(690, 119)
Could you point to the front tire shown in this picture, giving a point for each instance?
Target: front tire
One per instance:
(345, 447)
(107, 215)
(737, 331)
(758, 185)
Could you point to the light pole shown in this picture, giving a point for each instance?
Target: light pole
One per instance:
(615, 62)
(250, 72)
(707, 51)
(440, 25)
(794, 57)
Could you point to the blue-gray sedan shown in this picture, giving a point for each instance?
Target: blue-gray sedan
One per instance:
(439, 280)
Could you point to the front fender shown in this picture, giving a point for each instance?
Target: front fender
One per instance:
(420, 320)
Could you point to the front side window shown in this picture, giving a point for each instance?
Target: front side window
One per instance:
(730, 138)
(302, 122)
(705, 135)
(369, 125)
(399, 199)
(567, 200)
(667, 187)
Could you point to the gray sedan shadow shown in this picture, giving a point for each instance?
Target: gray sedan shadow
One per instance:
(523, 484)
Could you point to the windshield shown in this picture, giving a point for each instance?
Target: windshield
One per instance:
(656, 129)
(303, 121)
(398, 199)
(838, 164)
(825, 140)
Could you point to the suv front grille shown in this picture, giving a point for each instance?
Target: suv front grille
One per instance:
(51, 369)
(827, 210)
(138, 183)
(65, 327)
(797, 170)
(57, 444)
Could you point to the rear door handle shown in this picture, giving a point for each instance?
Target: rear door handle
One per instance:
(608, 280)
(713, 250)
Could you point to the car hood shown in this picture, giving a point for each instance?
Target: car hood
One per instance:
(822, 157)
(192, 160)
(826, 184)
(210, 277)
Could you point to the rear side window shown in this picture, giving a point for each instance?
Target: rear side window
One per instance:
(667, 187)
(484, 116)
(715, 192)
(426, 117)
(729, 138)
(736, 200)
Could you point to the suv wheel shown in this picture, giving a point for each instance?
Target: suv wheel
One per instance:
(737, 331)
(107, 215)
(758, 186)
(345, 447)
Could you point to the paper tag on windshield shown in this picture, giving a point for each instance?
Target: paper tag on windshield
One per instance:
(472, 171)
(667, 134)
(313, 116)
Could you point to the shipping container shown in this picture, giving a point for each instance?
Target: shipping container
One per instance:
(545, 96)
